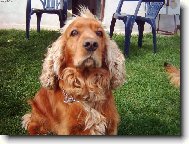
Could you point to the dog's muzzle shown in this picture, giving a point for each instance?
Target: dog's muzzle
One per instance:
(90, 44)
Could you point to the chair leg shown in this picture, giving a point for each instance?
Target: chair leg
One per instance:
(153, 24)
(127, 42)
(28, 26)
(140, 30)
(39, 15)
(28, 17)
(158, 22)
(62, 18)
(128, 30)
(112, 26)
(175, 30)
(154, 39)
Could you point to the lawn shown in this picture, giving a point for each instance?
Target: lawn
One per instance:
(148, 104)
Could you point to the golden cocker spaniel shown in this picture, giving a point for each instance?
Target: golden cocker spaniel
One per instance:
(79, 72)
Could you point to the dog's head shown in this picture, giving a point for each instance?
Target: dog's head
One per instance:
(83, 45)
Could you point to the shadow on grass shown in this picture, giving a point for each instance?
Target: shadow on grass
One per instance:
(146, 126)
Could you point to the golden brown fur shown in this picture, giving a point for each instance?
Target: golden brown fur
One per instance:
(88, 74)
(174, 74)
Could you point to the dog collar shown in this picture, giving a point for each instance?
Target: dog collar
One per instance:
(68, 98)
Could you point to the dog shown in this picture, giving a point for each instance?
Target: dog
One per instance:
(80, 70)
(174, 74)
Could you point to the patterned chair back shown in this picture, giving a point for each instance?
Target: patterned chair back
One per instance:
(153, 9)
(52, 4)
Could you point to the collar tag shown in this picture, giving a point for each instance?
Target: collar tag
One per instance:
(67, 98)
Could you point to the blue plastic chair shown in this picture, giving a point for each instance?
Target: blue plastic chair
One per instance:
(50, 7)
(153, 9)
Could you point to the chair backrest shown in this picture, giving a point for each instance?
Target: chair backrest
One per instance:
(153, 8)
(52, 4)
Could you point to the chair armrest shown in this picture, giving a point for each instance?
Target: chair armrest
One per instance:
(119, 6)
(138, 7)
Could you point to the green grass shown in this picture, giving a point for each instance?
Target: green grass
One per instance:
(147, 103)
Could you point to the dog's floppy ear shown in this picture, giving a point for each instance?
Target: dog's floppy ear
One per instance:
(53, 63)
(115, 61)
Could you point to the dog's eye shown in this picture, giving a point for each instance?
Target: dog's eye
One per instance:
(99, 33)
(74, 33)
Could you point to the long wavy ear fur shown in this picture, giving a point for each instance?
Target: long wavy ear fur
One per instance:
(52, 63)
(116, 64)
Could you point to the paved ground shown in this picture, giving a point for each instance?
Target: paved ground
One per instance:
(166, 23)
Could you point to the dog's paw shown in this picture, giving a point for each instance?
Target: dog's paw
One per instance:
(26, 119)
(99, 128)
(95, 121)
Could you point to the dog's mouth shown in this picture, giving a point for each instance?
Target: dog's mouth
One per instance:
(88, 62)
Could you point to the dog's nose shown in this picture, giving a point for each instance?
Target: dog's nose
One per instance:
(90, 44)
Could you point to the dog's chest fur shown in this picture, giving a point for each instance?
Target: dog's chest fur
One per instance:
(91, 87)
